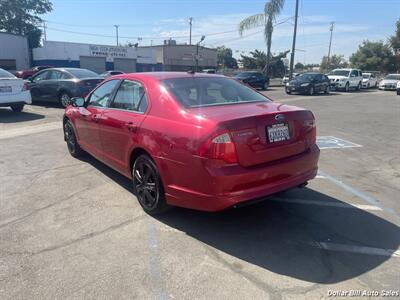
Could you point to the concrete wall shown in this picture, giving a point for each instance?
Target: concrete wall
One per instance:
(184, 55)
(14, 47)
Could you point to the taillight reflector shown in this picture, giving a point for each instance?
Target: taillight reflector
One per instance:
(220, 147)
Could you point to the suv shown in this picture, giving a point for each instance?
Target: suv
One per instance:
(345, 79)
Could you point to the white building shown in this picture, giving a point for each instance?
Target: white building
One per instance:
(97, 58)
(14, 52)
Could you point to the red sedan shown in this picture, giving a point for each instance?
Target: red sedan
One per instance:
(199, 141)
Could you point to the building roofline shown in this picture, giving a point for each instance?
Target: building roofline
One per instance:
(14, 34)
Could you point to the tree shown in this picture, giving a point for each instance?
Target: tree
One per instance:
(336, 61)
(225, 58)
(272, 9)
(299, 66)
(258, 59)
(21, 17)
(394, 41)
(374, 56)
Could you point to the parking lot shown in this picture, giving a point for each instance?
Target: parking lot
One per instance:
(72, 228)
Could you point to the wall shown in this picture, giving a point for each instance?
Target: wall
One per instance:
(15, 47)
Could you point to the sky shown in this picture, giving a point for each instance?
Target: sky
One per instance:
(151, 21)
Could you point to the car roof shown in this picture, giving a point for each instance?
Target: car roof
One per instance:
(165, 75)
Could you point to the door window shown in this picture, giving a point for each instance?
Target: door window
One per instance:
(41, 76)
(130, 96)
(354, 73)
(54, 75)
(102, 95)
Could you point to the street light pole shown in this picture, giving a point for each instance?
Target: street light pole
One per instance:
(116, 32)
(294, 41)
(330, 43)
(197, 52)
(190, 31)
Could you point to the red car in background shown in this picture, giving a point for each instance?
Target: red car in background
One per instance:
(25, 74)
(199, 141)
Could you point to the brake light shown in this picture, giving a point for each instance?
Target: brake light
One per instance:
(25, 87)
(310, 128)
(220, 147)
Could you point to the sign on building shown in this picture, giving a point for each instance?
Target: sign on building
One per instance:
(110, 52)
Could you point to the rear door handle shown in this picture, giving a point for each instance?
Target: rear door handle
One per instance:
(131, 127)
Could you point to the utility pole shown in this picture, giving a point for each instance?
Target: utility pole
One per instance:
(197, 53)
(116, 33)
(190, 32)
(330, 43)
(294, 41)
(44, 30)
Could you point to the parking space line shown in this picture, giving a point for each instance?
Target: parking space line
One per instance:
(357, 249)
(26, 130)
(325, 203)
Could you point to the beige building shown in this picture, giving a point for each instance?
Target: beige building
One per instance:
(175, 57)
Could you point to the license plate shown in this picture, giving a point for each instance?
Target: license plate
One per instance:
(278, 132)
(5, 89)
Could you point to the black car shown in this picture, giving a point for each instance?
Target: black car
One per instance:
(309, 83)
(254, 79)
(61, 84)
(110, 73)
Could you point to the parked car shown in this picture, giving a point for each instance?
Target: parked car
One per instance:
(14, 91)
(25, 74)
(369, 80)
(285, 78)
(309, 83)
(398, 88)
(345, 79)
(61, 84)
(209, 71)
(110, 73)
(254, 79)
(389, 82)
(199, 141)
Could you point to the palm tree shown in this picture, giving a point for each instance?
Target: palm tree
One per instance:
(271, 10)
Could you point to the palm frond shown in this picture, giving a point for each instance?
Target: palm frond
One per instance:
(273, 7)
(251, 22)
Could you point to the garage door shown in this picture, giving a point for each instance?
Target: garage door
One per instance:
(125, 65)
(95, 64)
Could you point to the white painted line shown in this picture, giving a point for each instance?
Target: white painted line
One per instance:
(358, 249)
(325, 203)
(26, 130)
(319, 176)
(332, 142)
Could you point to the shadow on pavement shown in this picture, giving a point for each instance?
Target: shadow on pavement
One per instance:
(8, 116)
(283, 237)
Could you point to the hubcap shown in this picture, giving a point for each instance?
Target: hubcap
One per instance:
(146, 184)
(65, 100)
(69, 137)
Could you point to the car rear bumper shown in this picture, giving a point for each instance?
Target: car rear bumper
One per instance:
(237, 185)
(19, 98)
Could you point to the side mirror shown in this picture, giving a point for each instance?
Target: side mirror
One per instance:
(77, 102)
(30, 78)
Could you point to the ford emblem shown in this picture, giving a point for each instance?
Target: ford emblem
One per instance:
(280, 117)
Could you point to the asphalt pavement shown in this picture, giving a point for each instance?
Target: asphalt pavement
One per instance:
(72, 229)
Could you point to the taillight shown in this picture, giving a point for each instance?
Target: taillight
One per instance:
(25, 87)
(220, 147)
(311, 131)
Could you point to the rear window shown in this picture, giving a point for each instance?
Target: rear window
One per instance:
(5, 74)
(209, 91)
(340, 73)
(82, 73)
(393, 76)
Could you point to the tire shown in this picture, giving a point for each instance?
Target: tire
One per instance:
(311, 91)
(398, 92)
(368, 85)
(148, 187)
(287, 91)
(327, 90)
(358, 86)
(265, 86)
(346, 87)
(64, 99)
(70, 138)
(17, 108)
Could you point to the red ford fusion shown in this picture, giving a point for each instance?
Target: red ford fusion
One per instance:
(199, 141)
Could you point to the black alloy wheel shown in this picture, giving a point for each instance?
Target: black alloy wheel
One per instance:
(69, 136)
(148, 187)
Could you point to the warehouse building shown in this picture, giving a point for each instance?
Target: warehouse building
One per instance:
(97, 58)
(182, 57)
(14, 52)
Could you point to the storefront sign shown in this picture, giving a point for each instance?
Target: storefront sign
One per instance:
(108, 51)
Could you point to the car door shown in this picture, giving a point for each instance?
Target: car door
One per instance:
(37, 86)
(120, 123)
(51, 86)
(87, 124)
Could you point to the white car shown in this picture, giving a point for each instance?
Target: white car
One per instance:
(285, 78)
(398, 88)
(345, 79)
(14, 92)
(369, 80)
(389, 82)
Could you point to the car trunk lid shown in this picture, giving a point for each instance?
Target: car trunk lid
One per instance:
(10, 86)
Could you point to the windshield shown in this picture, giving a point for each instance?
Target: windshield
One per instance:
(340, 73)
(82, 73)
(5, 74)
(306, 77)
(366, 76)
(209, 91)
(393, 77)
